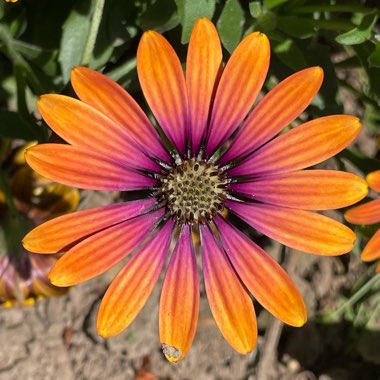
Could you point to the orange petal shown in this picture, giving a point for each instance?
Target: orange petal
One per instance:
(83, 168)
(101, 251)
(105, 95)
(83, 126)
(373, 180)
(163, 84)
(304, 230)
(131, 288)
(57, 234)
(371, 251)
(204, 60)
(278, 109)
(367, 213)
(306, 189)
(230, 304)
(238, 88)
(263, 276)
(179, 304)
(303, 146)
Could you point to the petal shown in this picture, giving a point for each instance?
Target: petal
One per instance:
(304, 230)
(371, 251)
(163, 84)
(204, 60)
(238, 88)
(105, 95)
(373, 180)
(131, 288)
(230, 304)
(85, 127)
(83, 168)
(303, 146)
(57, 234)
(101, 251)
(263, 276)
(276, 110)
(179, 304)
(306, 189)
(367, 213)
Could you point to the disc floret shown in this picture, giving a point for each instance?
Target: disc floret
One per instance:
(194, 190)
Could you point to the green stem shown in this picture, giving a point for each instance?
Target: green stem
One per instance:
(357, 296)
(94, 28)
(336, 25)
(6, 190)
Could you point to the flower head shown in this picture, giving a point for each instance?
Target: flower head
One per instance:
(369, 213)
(203, 166)
(24, 275)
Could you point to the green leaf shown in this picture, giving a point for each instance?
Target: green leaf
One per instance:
(267, 22)
(374, 58)
(289, 53)
(255, 9)
(269, 4)
(295, 26)
(189, 11)
(74, 37)
(360, 160)
(160, 15)
(361, 33)
(230, 24)
(363, 51)
(13, 126)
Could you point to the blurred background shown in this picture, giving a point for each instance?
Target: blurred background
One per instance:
(49, 333)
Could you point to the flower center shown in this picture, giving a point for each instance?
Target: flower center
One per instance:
(194, 191)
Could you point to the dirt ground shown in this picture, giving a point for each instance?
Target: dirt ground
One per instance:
(56, 339)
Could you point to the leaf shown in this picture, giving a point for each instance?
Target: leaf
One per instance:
(363, 51)
(13, 126)
(230, 24)
(189, 11)
(267, 22)
(74, 37)
(160, 15)
(289, 53)
(361, 161)
(255, 9)
(295, 26)
(374, 58)
(317, 54)
(269, 4)
(361, 33)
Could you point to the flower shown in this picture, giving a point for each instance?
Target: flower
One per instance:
(24, 275)
(186, 187)
(24, 278)
(369, 213)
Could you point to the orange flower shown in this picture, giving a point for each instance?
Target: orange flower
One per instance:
(188, 183)
(369, 213)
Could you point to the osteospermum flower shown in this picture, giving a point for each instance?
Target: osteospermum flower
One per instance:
(113, 146)
(369, 213)
(24, 278)
(24, 275)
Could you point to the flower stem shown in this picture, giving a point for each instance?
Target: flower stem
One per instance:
(357, 296)
(94, 28)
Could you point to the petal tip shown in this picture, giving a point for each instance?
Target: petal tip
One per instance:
(171, 353)
(59, 280)
(103, 331)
